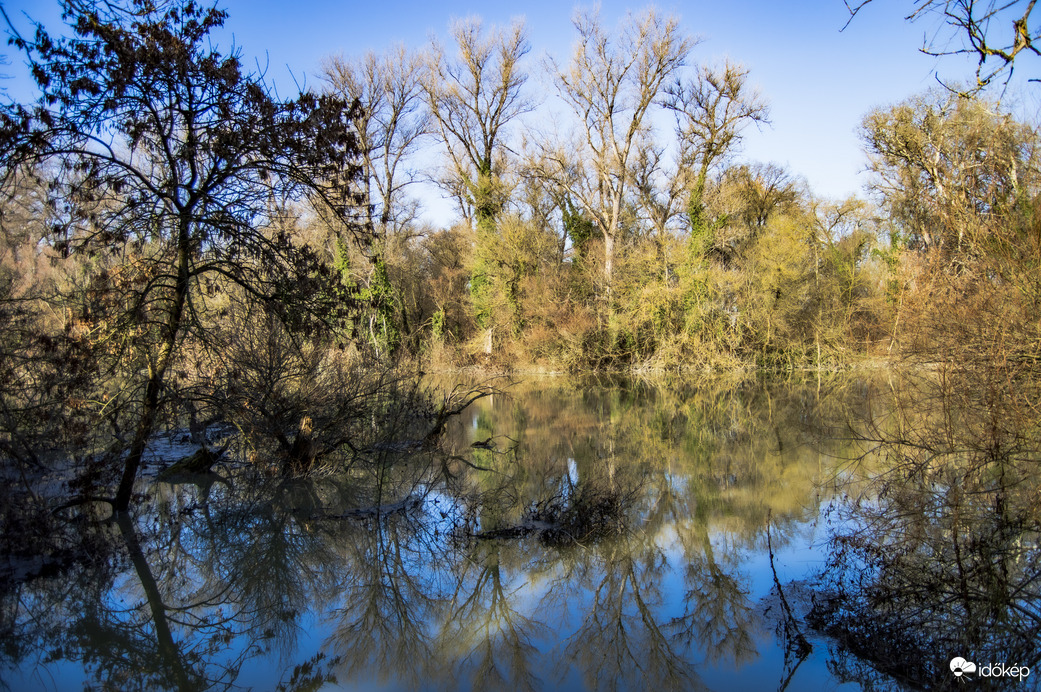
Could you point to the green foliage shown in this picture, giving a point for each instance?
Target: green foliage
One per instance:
(889, 255)
(486, 196)
(437, 324)
(702, 231)
(505, 259)
(482, 293)
(384, 309)
(378, 309)
(579, 229)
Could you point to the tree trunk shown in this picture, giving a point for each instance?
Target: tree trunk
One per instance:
(168, 651)
(156, 374)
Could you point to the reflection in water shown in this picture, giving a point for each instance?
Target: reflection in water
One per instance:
(943, 560)
(607, 536)
(717, 613)
(490, 640)
(621, 642)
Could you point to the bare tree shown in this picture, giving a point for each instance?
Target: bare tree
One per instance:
(392, 120)
(948, 168)
(473, 99)
(659, 186)
(994, 32)
(711, 111)
(611, 84)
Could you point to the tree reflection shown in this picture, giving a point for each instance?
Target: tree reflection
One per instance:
(392, 588)
(717, 614)
(202, 593)
(939, 557)
(622, 642)
(135, 630)
(394, 564)
(486, 633)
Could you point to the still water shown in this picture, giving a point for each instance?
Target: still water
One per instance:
(567, 534)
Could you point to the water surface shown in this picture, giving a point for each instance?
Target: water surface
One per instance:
(568, 534)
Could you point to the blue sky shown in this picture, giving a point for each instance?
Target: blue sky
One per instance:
(820, 81)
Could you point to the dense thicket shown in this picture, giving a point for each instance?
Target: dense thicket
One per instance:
(146, 233)
(609, 242)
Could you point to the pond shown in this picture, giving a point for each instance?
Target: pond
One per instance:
(567, 534)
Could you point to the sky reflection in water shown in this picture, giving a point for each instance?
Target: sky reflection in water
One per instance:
(232, 588)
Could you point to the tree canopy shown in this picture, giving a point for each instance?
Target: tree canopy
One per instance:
(175, 159)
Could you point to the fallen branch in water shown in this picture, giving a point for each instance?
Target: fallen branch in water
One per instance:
(516, 531)
(403, 506)
(590, 513)
(454, 403)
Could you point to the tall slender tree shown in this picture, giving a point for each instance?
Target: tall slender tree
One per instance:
(711, 111)
(392, 120)
(474, 98)
(611, 84)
